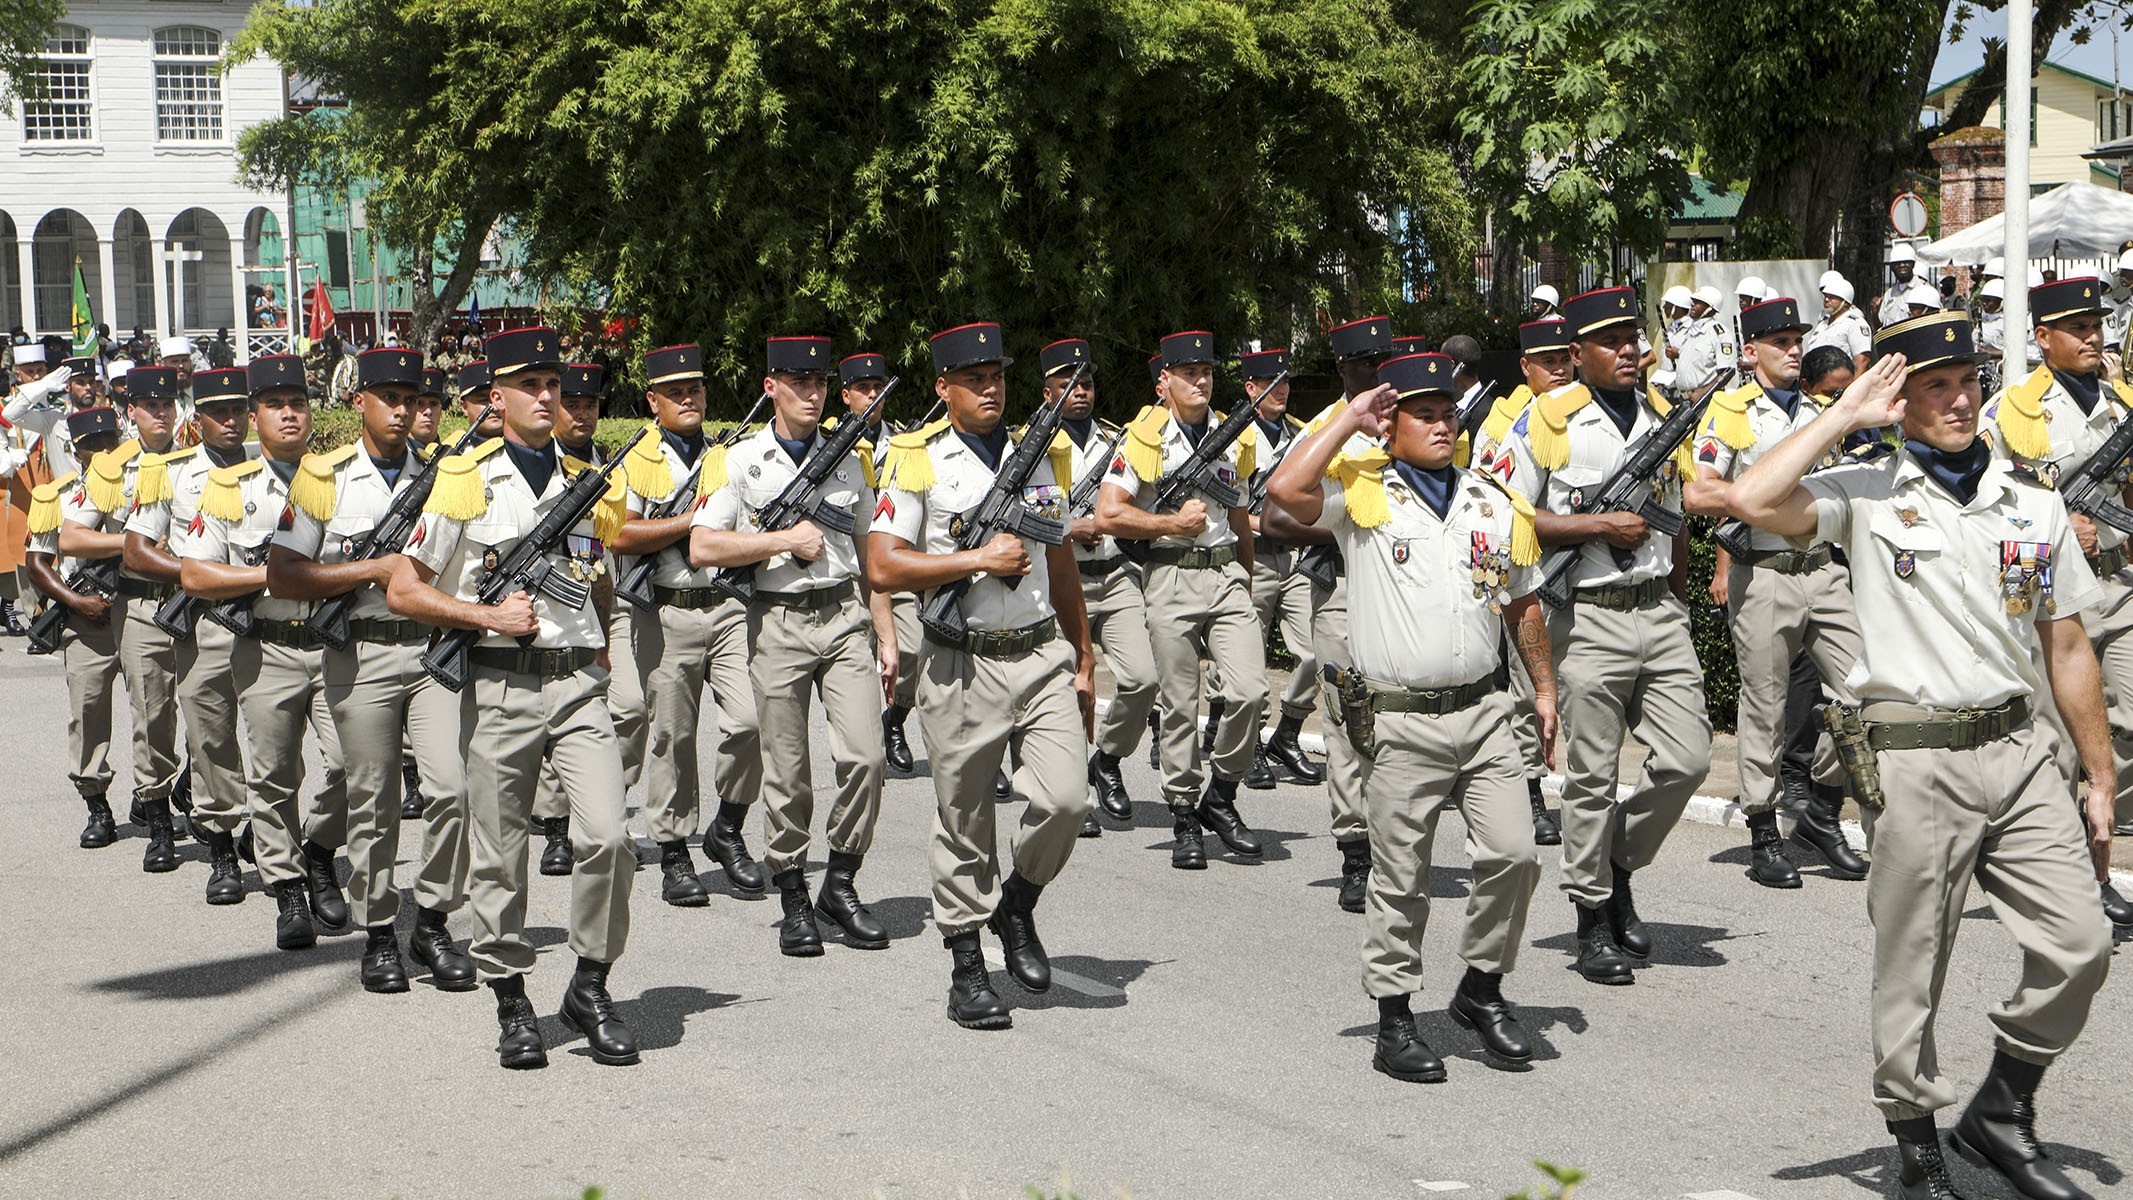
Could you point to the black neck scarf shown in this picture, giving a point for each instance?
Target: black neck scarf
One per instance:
(1433, 487)
(989, 447)
(1958, 472)
(1620, 407)
(536, 467)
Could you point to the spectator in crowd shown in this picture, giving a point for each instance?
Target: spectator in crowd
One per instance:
(221, 353)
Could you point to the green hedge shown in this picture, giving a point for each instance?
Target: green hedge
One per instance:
(333, 428)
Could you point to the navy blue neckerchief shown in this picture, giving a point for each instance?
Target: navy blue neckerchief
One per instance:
(2086, 390)
(1271, 431)
(224, 458)
(989, 447)
(688, 445)
(536, 467)
(794, 450)
(1789, 401)
(1620, 407)
(1193, 433)
(1433, 487)
(1079, 428)
(1958, 472)
(284, 471)
(389, 468)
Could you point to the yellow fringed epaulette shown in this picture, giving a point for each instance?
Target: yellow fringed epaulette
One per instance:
(1503, 413)
(645, 465)
(711, 476)
(609, 514)
(1727, 418)
(106, 480)
(223, 498)
(458, 492)
(2021, 417)
(907, 465)
(44, 503)
(151, 483)
(866, 462)
(424, 451)
(1362, 480)
(1247, 451)
(1657, 399)
(1143, 446)
(2123, 392)
(1325, 416)
(1463, 450)
(1525, 539)
(313, 488)
(1062, 452)
(1548, 432)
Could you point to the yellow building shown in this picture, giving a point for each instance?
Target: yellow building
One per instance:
(2069, 112)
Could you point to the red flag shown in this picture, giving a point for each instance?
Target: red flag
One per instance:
(321, 310)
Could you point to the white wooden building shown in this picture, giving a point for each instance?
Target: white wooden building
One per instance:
(127, 165)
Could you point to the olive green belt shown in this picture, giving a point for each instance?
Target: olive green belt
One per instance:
(1794, 562)
(1891, 725)
(1433, 702)
(560, 662)
(1004, 643)
(1097, 568)
(2109, 562)
(694, 598)
(820, 598)
(1198, 558)
(296, 635)
(385, 632)
(1624, 597)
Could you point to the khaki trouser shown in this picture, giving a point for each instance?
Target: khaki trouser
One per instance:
(625, 701)
(150, 663)
(676, 656)
(1281, 596)
(2108, 624)
(1191, 611)
(516, 723)
(1347, 773)
(1118, 624)
(1998, 813)
(1774, 617)
(375, 692)
(1625, 674)
(903, 613)
(207, 695)
(90, 653)
(973, 711)
(1425, 764)
(281, 690)
(832, 650)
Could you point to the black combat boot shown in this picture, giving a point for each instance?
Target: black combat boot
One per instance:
(292, 917)
(101, 830)
(971, 1001)
(1546, 832)
(1479, 1005)
(1015, 922)
(1003, 784)
(1821, 829)
(679, 885)
(432, 946)
(1155, 740)
(1629, 932)
(724, 843)
(1284, 752)
(1998, 1132)
(797, 935)
(1355, 874)
(2115, 908)
(588, 1009)
(181, 800)
(557, 858)
(225, 879)
(1218, 811)
(896, 748)
(10, 620)
(327, 903)
(1216, 705)
(1190, 853)
(410, 792)
(1110, 785)
(1923, 1174)
(1767, 863)
(161, 856)
(1261, 777)
(382, 970)
(1599, 959)
(839, 902)
(1401, 1052)
(519, 1048)
(1089, 827)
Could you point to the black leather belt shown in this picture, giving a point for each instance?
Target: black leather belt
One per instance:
(2109, 562)
(144, 589)
(690, 598)
(383, 632)
(1004, 643)
(1624, 597)
(811, 601)
(1097, 568)
(1793, 562)
(1433, 702)
(1198, 558)
(558, 663)
(296, 635)
(1922, 728)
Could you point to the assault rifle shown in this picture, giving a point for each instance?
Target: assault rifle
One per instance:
(1629, 490)
(803, 498)
(1002, 510)
(1082, 500)
(1196, 473)
(526, 568)
(330, 619)
(635, 588)
(2092, 489)
(98, 576)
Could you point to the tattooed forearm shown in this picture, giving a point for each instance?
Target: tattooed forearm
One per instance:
(1529, 633)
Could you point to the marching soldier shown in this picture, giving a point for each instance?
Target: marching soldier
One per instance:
(1438, 560)
(1780, 600)
(279, 670)
(1625, 660)
(862, 376)
(91, 631)
(1955, 775)
(1024, 673)
(2049, 424)
(422, 433)
(812, 623)
(1199, 591)
(1111, 583)
(530, 702)
(164, 505)
(380, 697)
(1841, 323)
(1280, 595)
(92, 525)
(698, 639)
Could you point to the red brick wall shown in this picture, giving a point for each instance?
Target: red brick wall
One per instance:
(1973, 177)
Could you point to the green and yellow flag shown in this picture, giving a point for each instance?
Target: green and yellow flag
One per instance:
(84, 320)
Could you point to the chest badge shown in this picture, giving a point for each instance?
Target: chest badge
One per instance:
(348, 547)
(1577, 497)
(1906, 563)
(489, 559)
(955, 527)
(1910, 517)
(1400, 551)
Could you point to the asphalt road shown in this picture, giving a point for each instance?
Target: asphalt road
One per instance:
(1207, 1036)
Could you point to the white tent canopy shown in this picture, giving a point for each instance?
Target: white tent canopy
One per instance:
(2073, 220)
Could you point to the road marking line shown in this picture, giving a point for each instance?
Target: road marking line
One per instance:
(1721, 1194)
(1069, 980)
(1440, 1185)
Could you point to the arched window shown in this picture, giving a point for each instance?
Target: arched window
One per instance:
(61, 111)
(188, 84)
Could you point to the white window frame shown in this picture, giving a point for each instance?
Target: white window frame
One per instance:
(190, 64)
(86, 59)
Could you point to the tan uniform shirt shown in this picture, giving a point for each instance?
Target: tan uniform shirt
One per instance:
(670, 567)
(1597, 448)
(757, 470)
(76, 505)
(1086, 460)
(1176, 449)
(361, 497)
(245, 540)
(1768, 420)
(925, 520)
(2075, 436)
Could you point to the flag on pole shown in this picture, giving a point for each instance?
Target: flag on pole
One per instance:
(84, 319)
(473, 309)
(320, 309)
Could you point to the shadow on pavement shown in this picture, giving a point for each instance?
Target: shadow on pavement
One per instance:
(902, 916)
(228, 976)
(1875, 1170)
(1448, 1038)
(1112, 975)
(657, 1018)
(1672, 945)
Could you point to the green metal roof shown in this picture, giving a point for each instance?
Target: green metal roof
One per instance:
(1707, 204)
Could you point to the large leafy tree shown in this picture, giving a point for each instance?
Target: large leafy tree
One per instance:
(23, 26)
(877, 169)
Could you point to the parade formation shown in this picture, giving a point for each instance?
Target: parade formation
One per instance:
(488, 643)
